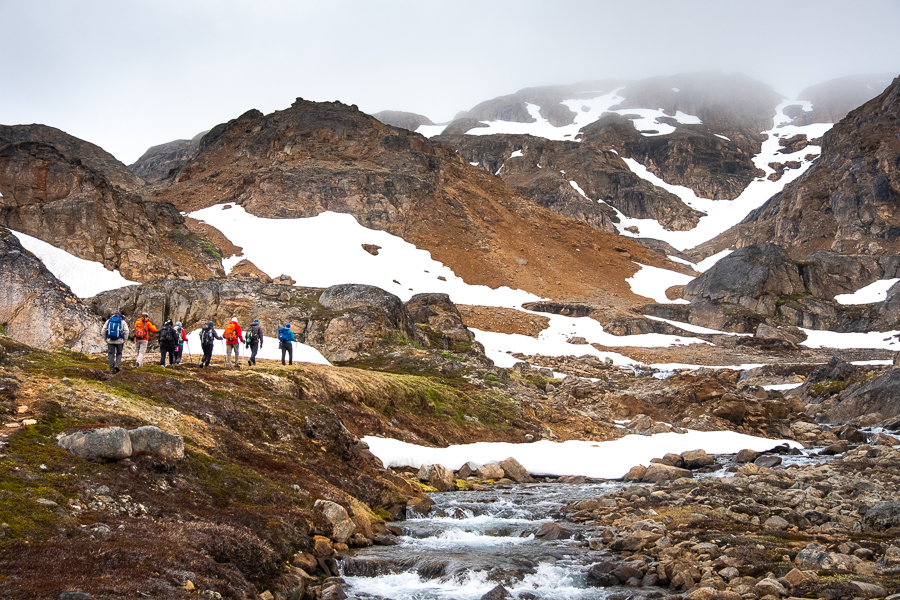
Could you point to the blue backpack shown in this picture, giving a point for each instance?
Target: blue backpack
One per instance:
(284, 335)
(114, 329)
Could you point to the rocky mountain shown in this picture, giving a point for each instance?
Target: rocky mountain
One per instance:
(158, 161)
(77, 197)
(316, 157)
(848, 201)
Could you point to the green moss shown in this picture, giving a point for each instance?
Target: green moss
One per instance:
(827, 388)
(227, 482)
(210, 249)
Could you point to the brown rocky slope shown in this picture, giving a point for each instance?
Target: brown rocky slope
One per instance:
(315, 157)
(77, 197)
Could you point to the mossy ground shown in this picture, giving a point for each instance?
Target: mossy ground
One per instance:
(261, 446)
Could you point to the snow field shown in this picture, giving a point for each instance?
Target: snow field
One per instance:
(874, 292)
(86, 278)
(652, 282)
(874, 340)
(601, 460)
(270, 350)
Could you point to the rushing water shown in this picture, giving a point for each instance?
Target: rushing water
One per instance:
(471, 541)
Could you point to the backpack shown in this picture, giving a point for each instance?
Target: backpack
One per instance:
(252, 335)
(284, 335)
(207, 336)
(167, 335)
(140, 329)
(114, 329)
(178, 339)
(230, 332)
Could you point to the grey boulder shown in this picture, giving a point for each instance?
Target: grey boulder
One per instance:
(153, 439)
(101, 443)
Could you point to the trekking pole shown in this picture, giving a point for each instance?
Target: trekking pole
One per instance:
(188, 344)
(224, 355)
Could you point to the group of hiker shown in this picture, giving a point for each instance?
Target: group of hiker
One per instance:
(172, 339)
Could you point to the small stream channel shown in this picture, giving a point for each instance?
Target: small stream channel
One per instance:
(473, 540)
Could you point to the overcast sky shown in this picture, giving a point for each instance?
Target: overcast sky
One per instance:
(129, 75)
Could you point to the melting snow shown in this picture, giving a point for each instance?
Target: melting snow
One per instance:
(516, 153)
(602, 460)
(86, 278)
(874, 292)
(875, 340)
(652, 282)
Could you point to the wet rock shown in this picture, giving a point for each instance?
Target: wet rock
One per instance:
(670, 459)
(657, 473)
(153, 439)
(385, 539)
(767, 461)
(419, 506)
(836, 448)
(746, 456)
(553, 531)
(102, 443)
(883, 439)
(438, 476)
(696, 459)
(600, 575)
(498, 593)
(515, 471)
(465, 471)
(342, 525)
(490, 471)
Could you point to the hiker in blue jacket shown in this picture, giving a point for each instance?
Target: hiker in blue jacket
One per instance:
(285, 339)
(115, 332)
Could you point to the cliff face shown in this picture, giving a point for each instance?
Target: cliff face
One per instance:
(848, 201)
(316, 157)
(832, 100)
(77, 197)
(39, 310)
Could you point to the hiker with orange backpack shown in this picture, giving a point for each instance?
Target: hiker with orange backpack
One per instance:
(142, 330)
(233, 338)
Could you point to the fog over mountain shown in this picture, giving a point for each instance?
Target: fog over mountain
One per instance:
(130, 76)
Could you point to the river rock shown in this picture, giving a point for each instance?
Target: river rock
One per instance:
(490, 471)
(553, 531)
(636, 473)
(438, 476)
(419, 506)
(153, 439)
(696, 459)
(101, 443)
(767, 461)
(746, 456)
(342, 525)
(657, 473)
(883, 439)
(322, 547)
(498, 593)
(515, 471)
(465, 471)
(600, 575)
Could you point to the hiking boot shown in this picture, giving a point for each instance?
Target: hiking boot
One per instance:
(117, 369)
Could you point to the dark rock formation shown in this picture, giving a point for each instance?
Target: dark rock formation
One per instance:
(848, 201)
(159, 161)
(546, 168)
(755, 277)
(876, 396)
(692, 156)
(406, 120)
(37, 308)
(77, 197)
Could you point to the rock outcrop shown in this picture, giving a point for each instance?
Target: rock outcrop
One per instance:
(832, 100)
(406, 120)
(344, 322)
(848, 201)
(77, 197)
(39, 310)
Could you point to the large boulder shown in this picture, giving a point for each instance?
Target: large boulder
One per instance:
(697, 459)
(153, 439)
(37, 308)
(342, 526)
(99, 443)
(755, 277)
(490, 471)
(438, 476)
(515, 471)
(440, 315)
(883, 515)
(658, 472)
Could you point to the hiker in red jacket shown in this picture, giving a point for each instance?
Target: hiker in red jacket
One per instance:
(233, 338)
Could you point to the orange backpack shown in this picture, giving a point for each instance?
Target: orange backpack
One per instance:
(230, 332)
(140, 331)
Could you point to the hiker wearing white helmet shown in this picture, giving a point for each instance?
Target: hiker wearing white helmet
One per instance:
(233, 338)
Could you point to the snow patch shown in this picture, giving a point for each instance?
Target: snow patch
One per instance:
(602, 460)
(873, 340)
(86, 278)
(874, 292)
(652, 282)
